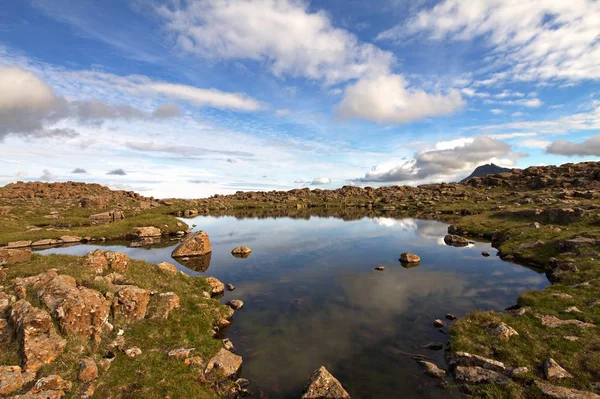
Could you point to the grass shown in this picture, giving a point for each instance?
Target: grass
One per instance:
(153, 374)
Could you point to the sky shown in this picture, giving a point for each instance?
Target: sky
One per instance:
(190, 98)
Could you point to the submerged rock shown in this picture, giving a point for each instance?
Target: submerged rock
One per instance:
(380, 268)
(195, 244)
(323, 385)
(437, 323)
(408, 257)
(432, 369)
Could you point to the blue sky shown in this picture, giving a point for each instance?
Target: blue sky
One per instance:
(190, 98)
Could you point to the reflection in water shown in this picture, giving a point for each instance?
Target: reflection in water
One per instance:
(312, 297)
(197, 263)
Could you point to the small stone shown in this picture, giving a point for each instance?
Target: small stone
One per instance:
(571, 338)
(562, 295)
(408, 257)
(230, 287)
(241, 250)
(167, 267)
(86, 390)
(88, 371)
(437, 323)
(228, 345)
(553, 371)
(572, 309)
(235, 304)
(593, 303)
(380, 268)
(519, 371)
(456, 241)
(194, 361)
(217, 287)
(133, 352)
(477, 375)
(52, 383)
(181, 353)
(504, 331)
(432, 369)
(450, 316)
(10, 379)
(485, 253)
(467, 359)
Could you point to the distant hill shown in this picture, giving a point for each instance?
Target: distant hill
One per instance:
(484, 170)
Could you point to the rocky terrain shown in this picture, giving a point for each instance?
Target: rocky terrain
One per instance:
(547, 345)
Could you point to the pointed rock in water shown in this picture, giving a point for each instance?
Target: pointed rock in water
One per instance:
(485, 253)
(553, 371)
(437, 323)
(235, 304)
(408, 257)
(195, 244)
(323, 385)
(450, 316)
(230, 287)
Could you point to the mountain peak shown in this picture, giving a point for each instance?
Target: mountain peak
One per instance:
(487, 169)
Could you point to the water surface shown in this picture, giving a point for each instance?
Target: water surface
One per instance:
(312, 297)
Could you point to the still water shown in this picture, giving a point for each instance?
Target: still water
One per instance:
(312, 297)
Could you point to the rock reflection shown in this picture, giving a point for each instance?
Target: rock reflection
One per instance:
(196, 263)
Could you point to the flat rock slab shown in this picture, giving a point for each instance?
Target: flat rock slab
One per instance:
(558, 392)
(467, 359)
(477, 375)
(323, 385)
(10, 256)
(555, 322)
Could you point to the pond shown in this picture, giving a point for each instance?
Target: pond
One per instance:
(312, 297)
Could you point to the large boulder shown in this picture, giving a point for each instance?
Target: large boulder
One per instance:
(130, 304)
(99, 260)
(80, 311)
(195, 244)
(322, 384)
(224, 365)
(10, 256)
(456, 241)
(39, 342)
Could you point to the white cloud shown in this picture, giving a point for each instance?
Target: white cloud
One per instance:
(446, 159)
(47, 176)
(526, 102)
(534, 143)
(496, 111)
(299, 181)
(517, 114)
(539, 39)
(285, 34)
(387, 99)
(590, 146)
(320, 180)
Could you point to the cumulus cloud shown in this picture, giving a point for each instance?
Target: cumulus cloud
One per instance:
(167, 110)
(534, 143)
(387, 99)
(447, 158)
(284, 34)
(79, 170)
(117, 172)
(589, 147)
(320, 180)
(539, 39)
(29, 106)
(47, 176)
(496, 111)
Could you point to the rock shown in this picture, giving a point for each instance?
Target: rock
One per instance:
(224, 365)
(432, 370)
(558, 392)
(11, 256)
(477, 375)
(322, 384)
(133, 352)
(46, 242)
(456, 241)
(562, 295)
(117, 261)
(408, 257)
(593, 303)
(80, 311)
(577, 242)
(167, 267)
(504, 331)
(162, 304)
(39, 342)
(70, 239)
(18, 244)
(485, 253)
(86, 390)
(380, 268)
(194, 361)
(52, 383)
(96, 261)
(437, 323)
(436, 346)
(228, 345)
(571, 338)
(217, 287)
(553, 371)
(198, 263)
(10, 379)
(469, 360)
(181, 353)
(107, 217)
(235, 304)
(195, 244)
(230, 287)
(88, 371)
(130, 304)
(144, 232)
(555, 322)
(572, 309)
(450, 316)
(519, 371)
(241, 250)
